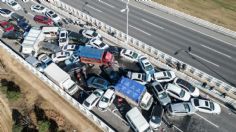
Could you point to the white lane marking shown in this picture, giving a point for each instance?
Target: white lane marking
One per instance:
(153, 24)
(186, 26)
(107, 4)
(140, 30)
(30, 14)
(204, 59)
(93, 8)
(216, 51)
(178, 128)
(207, 120)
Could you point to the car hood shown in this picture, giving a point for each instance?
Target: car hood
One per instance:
(217, 108)
(102, 104)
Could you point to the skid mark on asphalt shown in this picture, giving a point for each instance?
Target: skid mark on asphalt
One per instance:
(140, 30)
(204, 59)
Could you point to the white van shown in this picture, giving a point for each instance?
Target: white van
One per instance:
(137, 121)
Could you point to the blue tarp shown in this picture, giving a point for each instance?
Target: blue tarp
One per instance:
(88, 52)
(130, 88)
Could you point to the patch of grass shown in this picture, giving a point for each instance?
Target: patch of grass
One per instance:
(220, 12)
(13, 95)
(43, 126)
(10, 89)
(17, 128)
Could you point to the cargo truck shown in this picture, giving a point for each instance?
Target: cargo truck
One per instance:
(134, 92)
(61, 78)
(94, 56)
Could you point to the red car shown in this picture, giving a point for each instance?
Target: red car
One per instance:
(7, 26)
(43, 20)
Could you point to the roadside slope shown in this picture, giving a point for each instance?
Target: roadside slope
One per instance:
(72, 115)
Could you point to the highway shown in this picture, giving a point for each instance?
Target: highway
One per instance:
(211, 52)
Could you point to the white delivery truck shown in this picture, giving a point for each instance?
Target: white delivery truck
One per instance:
(61, 78)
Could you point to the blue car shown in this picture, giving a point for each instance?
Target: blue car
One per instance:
(97, 82)
(24, 26)
(146, 65)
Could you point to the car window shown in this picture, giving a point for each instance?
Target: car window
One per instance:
(212, 106)
(182, 93)
(104, 99)
(96, 93)
(205, 108)
(187, 108)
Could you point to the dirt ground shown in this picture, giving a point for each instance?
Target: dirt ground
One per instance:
(36, 92)
(220, 12)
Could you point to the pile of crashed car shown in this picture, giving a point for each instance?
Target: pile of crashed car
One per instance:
(173, 95)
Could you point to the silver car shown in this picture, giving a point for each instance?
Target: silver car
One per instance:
(181, 109)
(159, 93)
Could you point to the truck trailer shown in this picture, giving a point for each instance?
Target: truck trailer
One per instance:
(61, 78)
(134, 92)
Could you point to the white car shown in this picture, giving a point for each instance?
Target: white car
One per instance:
(52, 15)
(129, 55)
(146, 65)
(63, 38)
(177, 92)
(13, 4)
(187, 86)
(69, 48)
(89, 33)
(93, 99)
(5, 12)
(164, 76)
(206, 106)
(97, 43)
(141, 78)
(106, 99)
(38, 8)
(181, 109)
(60, 56)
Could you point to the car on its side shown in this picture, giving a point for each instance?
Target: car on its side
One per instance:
(51, 14)
(181, 109)
(93, 99)
(146, 65)
(12, 35)
(7, 26)
(5, 12)
(98, 83)
(177, 92)
(106, 100)
(129, 55)
(206, 106)
(141, 78)
(156, 117)
(60, 56)
(63, 38)
(187, 86)
(97, 43)
(43, 20)
(90, 33)
(164, 76)
(159, 93)
(13, 4)
(38, 8)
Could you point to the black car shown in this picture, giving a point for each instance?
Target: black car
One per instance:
(12, 35)
(16, 17)
(49, 48)
(24, 25)
(77, 37)
(110, 74)
(156, 116)
(5, 12)
(114, 50)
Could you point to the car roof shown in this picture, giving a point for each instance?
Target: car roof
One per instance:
(88, 31)
(173, 88)
(91, 98)
(203, 103)
(108, 93)
(179, 106)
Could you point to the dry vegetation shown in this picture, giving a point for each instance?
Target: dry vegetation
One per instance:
(220, 12)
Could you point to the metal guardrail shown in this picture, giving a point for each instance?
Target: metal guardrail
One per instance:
(162, 59)
(93, 118)
(190, 18)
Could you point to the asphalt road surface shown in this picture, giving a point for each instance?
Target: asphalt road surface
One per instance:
(211, 52)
